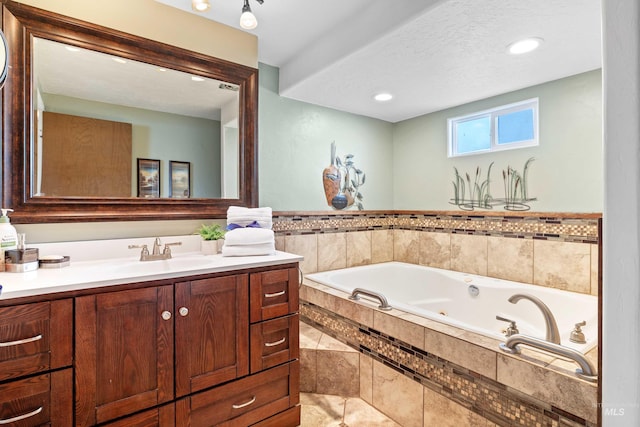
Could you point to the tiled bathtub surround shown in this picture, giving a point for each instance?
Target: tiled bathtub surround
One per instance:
(445, 375)
(560, 251)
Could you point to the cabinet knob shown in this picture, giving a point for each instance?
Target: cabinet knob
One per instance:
(166, 315)
(183, 311)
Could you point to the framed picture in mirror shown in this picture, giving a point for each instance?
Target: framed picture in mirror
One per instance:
(148, 178)
(180, 173)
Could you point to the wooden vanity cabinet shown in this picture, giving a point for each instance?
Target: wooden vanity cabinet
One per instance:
(124, 353)
(181, 353)
(36, 379)
(212, 332)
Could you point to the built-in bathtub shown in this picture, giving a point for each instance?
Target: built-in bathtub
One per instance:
(469, 301)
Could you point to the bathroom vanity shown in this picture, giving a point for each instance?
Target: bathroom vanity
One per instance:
(203, 341)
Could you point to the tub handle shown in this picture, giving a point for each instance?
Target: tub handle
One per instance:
(512, 329)
(384, 304)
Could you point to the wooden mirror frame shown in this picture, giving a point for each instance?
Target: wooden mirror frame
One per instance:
(21, 23)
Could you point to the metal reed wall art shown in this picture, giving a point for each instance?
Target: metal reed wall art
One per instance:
(469, 195)
(342, 181)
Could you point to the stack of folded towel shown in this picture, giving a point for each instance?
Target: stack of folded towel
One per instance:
(249, 232)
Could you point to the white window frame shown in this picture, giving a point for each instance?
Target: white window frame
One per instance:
(494, 114)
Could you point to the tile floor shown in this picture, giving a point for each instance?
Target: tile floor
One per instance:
(325, 410)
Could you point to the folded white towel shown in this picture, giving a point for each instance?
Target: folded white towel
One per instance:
(248, 236)
(244, 216)
(242, 211)
(249, 250)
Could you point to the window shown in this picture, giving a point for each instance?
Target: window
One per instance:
(502, 128)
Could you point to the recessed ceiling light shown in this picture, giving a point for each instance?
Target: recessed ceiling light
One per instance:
(382, 97)
(524, 46)
(119, 60)
(197, 79)
(200, 5)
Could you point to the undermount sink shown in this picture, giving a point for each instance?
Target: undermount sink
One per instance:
(130, 266)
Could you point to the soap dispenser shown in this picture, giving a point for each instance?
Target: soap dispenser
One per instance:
(8, 236)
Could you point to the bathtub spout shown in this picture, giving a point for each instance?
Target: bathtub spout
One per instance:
(384, 304)
(552, 334)
(586, 370)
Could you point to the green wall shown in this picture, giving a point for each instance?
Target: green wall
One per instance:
(406, 163)
(566, 175)
(162, 136)
(295, 140)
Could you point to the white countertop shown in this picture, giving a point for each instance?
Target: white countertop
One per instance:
(112, 270)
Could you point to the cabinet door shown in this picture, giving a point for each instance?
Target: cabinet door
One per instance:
(212, 332)
(124, 353)
(274, 294)
(35, 338)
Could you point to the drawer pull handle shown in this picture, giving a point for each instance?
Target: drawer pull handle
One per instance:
(19, 342)
(244, 405)
(275, 343)
(275, 294)
(21, 417)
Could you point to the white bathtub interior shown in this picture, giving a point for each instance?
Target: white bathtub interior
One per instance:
(445, 296)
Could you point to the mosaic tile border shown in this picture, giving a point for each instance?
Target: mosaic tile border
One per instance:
(566, 229)
(484, 396)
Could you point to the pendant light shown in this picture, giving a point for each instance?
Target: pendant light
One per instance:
(248, 20)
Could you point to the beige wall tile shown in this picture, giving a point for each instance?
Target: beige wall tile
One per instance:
(460, 352)
(469, 253)
(307, 246)
(332, 251)
(595, 269)
(406, 246)
(399, 328)
(381, 246)
(366, 378)
(435, 249)
(308, 370)
(338, 373)
(510, 259)
(328, 343)
(397, 396)
(562, 265)
(309, 336)
(358, 248)
(568, 393)
(442, 412)
(280, 245)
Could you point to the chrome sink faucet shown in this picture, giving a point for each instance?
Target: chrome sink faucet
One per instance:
(155, 254)
(552, 333)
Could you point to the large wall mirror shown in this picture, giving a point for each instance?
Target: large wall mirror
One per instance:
(102, 125)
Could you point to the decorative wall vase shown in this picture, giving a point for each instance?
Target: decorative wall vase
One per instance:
(341, 190)
(331, 178)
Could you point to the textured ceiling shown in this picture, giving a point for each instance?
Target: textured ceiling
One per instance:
(430, 54)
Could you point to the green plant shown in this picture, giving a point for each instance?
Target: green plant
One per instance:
(210, 232)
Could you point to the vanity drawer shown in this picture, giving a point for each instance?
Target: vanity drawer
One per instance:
(274, 342)
(36, 401)
(35, 338)
(243, 402)
(273, 294)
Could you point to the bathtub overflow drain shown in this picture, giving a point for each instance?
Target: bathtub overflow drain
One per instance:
(473, 290)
